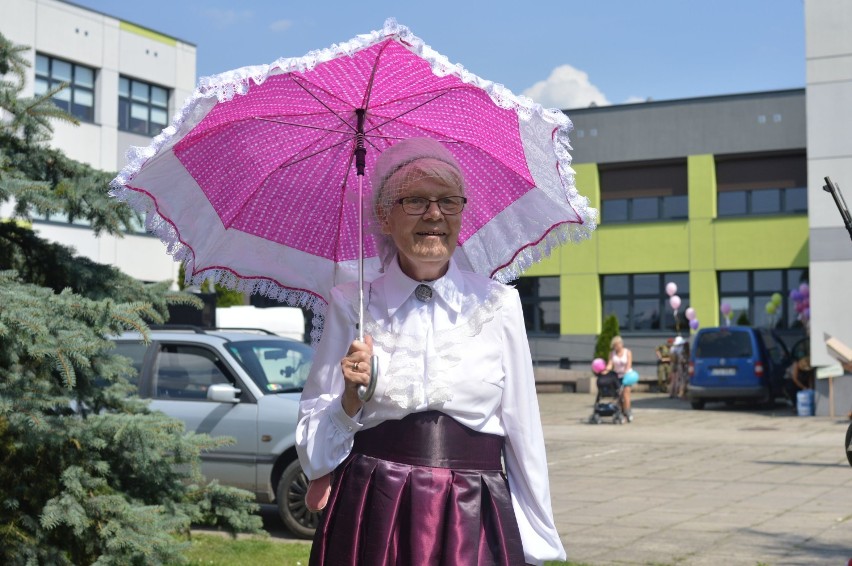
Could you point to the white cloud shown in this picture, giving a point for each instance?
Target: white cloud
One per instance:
(281, 25)
(566, 87)
(227, 18)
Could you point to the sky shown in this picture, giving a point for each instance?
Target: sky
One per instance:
(563, 54)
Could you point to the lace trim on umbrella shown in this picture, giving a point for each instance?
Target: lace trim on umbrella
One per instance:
(416, 375)
(181, 253)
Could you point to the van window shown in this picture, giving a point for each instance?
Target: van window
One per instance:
(723, 344)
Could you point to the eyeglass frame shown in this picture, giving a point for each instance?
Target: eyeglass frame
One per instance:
(401, 202)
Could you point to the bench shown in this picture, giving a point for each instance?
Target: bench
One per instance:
(553, 379)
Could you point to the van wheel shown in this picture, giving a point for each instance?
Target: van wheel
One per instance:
(290, 497)
(697, 404)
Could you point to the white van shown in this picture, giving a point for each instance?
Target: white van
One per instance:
(283, 321)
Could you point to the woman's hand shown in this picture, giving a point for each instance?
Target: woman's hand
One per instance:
(356, 372)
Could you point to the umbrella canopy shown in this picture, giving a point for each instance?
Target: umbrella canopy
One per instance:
(255, 183)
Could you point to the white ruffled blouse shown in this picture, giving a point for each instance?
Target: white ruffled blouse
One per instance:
(464, 353)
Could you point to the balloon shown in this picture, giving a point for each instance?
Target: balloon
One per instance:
(800, 307)
(674, 301)
(806, 314)
(630, 378)
(725, 308)
(671, 288)
(804, 289)
(776, 298)
(795, 295)
(598, 365)
(693, 324)
(690, 313)
(770, 308)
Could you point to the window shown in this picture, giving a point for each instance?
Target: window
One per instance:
(644, 192)
(640, 301)
(540, 301)
(762, 184)
(186, 372)
(142, 107)
(748, 293)
(78, 99)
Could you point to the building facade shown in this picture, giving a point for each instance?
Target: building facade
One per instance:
(125, 84)
(707, 193)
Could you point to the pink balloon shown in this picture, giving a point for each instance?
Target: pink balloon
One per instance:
(598, 365)
(805, 290)
(671, 288)
(674, 301)
(725, 308)
(690, 313)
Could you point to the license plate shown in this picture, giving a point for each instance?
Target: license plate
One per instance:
(723, 371)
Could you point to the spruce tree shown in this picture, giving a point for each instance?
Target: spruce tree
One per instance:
(88, 474)
(609, 330)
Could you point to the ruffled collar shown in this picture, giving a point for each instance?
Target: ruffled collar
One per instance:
(399, 287)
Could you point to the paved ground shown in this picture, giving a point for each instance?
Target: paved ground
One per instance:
(723, 486)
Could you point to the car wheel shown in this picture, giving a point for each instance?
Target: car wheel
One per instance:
(849, 444)
(290, 497)
(697, 404)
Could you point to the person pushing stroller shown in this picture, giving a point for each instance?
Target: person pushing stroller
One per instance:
(614, 381)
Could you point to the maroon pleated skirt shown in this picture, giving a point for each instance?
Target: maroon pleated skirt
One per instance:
(424, 490)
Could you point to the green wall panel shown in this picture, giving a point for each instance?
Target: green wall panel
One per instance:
(761, 243)
(580, 304)
(643, 248)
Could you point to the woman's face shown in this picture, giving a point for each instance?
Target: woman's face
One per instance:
(425, 242)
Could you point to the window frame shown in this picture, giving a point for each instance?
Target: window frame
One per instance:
(127, 101)
(756, 299)
(665, 323)
(75, 88)
(535, 325)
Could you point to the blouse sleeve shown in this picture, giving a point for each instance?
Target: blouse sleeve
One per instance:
(526, 461)
(325, 433)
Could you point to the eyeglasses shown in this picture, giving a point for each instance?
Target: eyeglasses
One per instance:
(419, 205)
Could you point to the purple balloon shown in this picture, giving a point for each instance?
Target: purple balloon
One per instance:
(806, 314)
(804, 289)
(693, 324)
(795, 295)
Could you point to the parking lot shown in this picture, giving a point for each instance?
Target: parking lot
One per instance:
(722, 486)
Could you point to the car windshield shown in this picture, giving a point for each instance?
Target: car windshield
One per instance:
(276, 366)
(723, 344)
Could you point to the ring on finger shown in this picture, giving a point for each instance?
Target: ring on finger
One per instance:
(355, 366)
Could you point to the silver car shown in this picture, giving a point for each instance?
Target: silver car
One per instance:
(241, 384)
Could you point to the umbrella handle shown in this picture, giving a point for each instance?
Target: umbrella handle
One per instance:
(365, 393)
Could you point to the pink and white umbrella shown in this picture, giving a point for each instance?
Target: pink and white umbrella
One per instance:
(255, 184)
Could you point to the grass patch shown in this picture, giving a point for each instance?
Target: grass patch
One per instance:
(218, 550)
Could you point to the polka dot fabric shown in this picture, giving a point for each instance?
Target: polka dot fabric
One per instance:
(267, 153)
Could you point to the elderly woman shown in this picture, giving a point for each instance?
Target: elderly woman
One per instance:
(418, 472)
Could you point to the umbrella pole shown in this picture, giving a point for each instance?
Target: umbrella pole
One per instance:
(364, 393)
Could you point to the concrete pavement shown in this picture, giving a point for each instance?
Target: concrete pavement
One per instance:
(722, 486)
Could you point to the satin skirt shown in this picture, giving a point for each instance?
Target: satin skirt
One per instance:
(424, 490)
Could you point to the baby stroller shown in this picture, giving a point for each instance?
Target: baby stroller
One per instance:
(608, 399)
